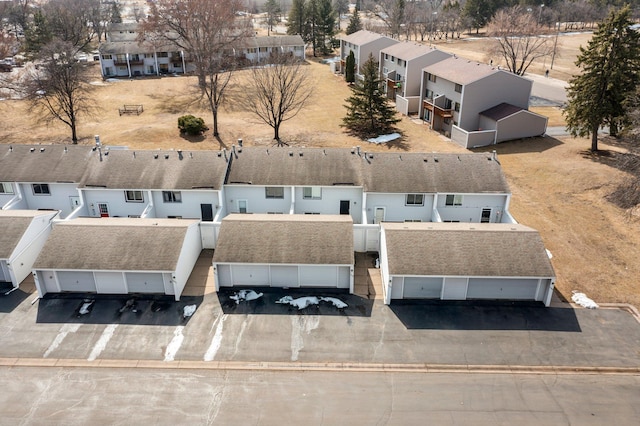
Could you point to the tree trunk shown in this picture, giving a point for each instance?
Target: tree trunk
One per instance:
(613, 129)
(276, 133)
(594, 139)
(74, 134)
(215, 122)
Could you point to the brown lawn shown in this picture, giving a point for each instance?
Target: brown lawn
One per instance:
(556, 188)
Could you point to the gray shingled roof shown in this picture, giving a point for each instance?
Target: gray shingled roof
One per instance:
(128, 169)
(285, 239)
(363, 37)
(114, 245)
(501, 111)
(431, 173)
(466, 249)
(13, 225)
(46, 163)
(460, 70)
(408, 50)
(274, 41)
(132, 46)
(285, 166)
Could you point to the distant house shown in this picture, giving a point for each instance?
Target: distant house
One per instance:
(285, 251)
(23, 235)
(363, 43)
(456, 261)
(118, 256)
(401, 67)
(262, 49)
(460, 97)
(42, 177)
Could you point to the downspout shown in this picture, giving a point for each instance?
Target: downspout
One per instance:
(292, 208)
(81, 206)
(435, 215)
(128, 64)
(149, 208)
(364, 220)
(184, 66)
(155, 60)
(16, 199)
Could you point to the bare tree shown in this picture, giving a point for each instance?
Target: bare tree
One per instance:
(207, 30)
(518, 40)
(69, 20)
(278, 91)
(59, 89)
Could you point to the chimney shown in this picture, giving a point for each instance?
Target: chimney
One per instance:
(224, 151)
(99, 146)
(240, 142)
(358, 149)
(494, 155)
(180, 154)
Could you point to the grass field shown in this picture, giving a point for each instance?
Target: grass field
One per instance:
(556, 187)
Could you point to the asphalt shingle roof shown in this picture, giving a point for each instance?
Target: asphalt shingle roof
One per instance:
(501, 111)
(363, 37)
(13, 225)
(43, 163)
(285, 239)
(460, 70)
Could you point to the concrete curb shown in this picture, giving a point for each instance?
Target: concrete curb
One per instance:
(320, 367)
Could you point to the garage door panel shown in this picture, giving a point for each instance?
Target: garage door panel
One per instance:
(47, 279)
(318, 276)
(502, 288)
(145, 282)
(224, 275)
(78, 281)
(284, 276)
(257, 275)
(110, 283)
(4, 272)
(344, 277)
(422, 288)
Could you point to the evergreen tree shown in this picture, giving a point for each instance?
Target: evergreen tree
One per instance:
(297, 19)
(350, 68)
(325, 25)
(611, 72)
(272, 8)
(354, 23)
(38, 33)
(116, 15)
(368, 113)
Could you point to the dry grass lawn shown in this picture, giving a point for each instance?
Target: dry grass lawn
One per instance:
(557, 189)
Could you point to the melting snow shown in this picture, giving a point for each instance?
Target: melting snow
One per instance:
(245, 296)
(304, 302)
(582, 300)
(85, 308)
(188, 311)
(385, 138)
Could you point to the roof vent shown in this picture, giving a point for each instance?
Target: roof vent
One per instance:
(32, 150)
(155, 156)
(41, 149)
(65, 149)
(370, 155)
(134, 154)
(435, 159)
(290, 154)
(191, 155)
(219, 153)
(11, 148)
(425, 159)
(353, 150)
(166, 156)
(324, 151)
(300, 153)
(180, 154)
(267, 152)
(400, 157)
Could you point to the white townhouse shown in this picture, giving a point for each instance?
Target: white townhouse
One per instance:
(476, 104)
(363, 43)
(401, 67)
(462, 261)
(118, 256)
(157, 184)
(285, 251)
(420, 187)
(261, 49)
(42, 177)
(294, 181)
(22, 236)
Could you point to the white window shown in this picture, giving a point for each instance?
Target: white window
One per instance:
(6, 188)
(312, 193)
(458, 88)
(133, 196)
(415, 200)
(431, 77)
(106, 56)
(453, 200)
(274, 192)
(41, 189)
(172, 196)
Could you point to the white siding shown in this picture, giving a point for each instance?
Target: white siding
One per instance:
(455, 288)
(397, 287)
(46, 282)
(256, 199)
(189, 208)
(396, 209)
(471, 208)
(110, 282)
(249, 275)
(191, 248)
(29, 247)
(58, 199)
(145, 282)
(115, 199)
(503, 288)
(223, 275)
(344, 277)
(422, 288)
(284, 276)
(330, 201)
(318, 276)
(76, 281)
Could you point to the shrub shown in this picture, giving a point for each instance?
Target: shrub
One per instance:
(191, 125)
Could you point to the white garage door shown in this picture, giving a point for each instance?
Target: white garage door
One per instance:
(77, 281)
(422, 288)
(318, 276)
(284, 276)
(110, 282)
(496, 288)
(145, 282)
(47, 280)
(257, 275)
(344, 276)
(224, 275)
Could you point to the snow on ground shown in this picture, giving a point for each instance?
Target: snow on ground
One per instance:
(85, 308)
(188, 310)
(245, 296)
(304, 302)
(582, 300)
(385, 138)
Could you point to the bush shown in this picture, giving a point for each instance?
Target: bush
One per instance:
(191, 125)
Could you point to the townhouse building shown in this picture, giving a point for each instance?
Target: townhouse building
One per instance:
(363, 44)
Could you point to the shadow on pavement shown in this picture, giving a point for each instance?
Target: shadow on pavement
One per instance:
(484, 315)
(522, 146)
(115, 309)
(266, 304)
(10, 298)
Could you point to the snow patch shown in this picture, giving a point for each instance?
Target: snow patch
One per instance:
(549, 255)
(304, 302)
(385, 138)
(174, 346)
(245, 296)
(216, 342)
(188, 310)
(582, 300)
(86, 307)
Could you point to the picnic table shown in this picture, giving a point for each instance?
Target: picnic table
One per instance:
(131, 109)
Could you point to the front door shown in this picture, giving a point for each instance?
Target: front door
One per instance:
(207, 212)
(344, 206)
(75, 202)
(242, 206)
(379, 216)
(486, 216)
(103, 209)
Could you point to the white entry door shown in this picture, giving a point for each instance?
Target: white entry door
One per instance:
(379, 215)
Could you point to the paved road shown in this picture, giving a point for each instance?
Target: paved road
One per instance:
(83, 396)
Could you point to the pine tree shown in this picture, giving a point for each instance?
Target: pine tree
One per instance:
(350, 68)
(611, 72)
(272, 8)
(297, 19)
(368, 113)
(325, 26)
(354, 23)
